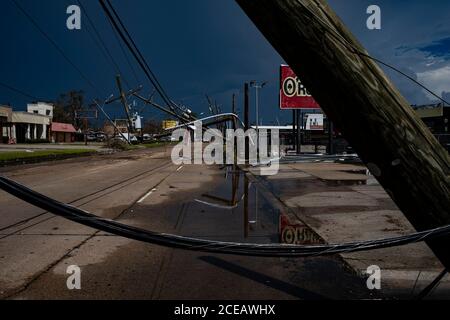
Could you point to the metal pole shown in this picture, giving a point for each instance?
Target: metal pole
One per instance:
(234, 104)
(330, 137)
(246, 195)
(234, 128)
(294, 132)
(299, 131)
(257, 117)
(246, 120)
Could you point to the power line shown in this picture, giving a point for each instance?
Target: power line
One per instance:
(122, 49)
(135, 51)
(54, 44)
(355, 50)
(202, 245)
(101, 44)
(23, 93)
(432, 286)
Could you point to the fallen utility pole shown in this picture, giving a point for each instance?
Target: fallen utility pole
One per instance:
(154, 104)
(123, 99)
(111, 121)
(365, 106)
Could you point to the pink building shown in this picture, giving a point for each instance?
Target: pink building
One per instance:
(62, 132)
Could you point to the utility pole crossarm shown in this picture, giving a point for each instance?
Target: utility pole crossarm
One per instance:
(365, 106)
(123, 99)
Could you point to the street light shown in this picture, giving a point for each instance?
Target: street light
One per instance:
(257, 86)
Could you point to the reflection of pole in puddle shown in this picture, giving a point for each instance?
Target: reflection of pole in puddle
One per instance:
(228, 203)
(246, 187)
(235, 185)
(255, 221)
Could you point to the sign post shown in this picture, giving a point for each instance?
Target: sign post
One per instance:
(294, 96)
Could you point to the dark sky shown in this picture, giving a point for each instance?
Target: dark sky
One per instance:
(204, 46)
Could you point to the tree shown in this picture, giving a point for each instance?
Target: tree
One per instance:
(152, 127)
(66, 107)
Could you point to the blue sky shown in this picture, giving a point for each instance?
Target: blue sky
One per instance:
(206, 46)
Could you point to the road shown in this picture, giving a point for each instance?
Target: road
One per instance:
(143, 188)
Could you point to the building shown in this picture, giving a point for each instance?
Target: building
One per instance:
(35, 125)
(28, 127)
(5, 124)
(436, 117)
(62, 132)
(42, 108)
(169, 124)
(121, 125)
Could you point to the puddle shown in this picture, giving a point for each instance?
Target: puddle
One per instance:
(236, 210)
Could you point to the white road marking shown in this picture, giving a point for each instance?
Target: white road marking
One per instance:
(148, 194)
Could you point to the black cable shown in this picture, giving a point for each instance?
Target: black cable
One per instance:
(124, 53)
(425, 292)
(135, 52)
(200, 245)
(355, 50)
(19, 91)
(138, 51)
(98, 40)
(58, 48)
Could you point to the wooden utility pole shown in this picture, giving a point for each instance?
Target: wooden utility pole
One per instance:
(123, 99)
(366, 107)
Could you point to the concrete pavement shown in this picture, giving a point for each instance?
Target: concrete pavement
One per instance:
(144, 189)
(343, 203)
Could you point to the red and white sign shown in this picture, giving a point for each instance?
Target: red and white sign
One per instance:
(295, 232)
(314, 122)
(293, 94)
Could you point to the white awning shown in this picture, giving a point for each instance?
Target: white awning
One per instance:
(30, 118)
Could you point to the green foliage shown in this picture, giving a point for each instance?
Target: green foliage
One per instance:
(22, 155)
(67, 105)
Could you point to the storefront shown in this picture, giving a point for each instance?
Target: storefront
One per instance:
(5, 124)
(29, 127)
(62, 132)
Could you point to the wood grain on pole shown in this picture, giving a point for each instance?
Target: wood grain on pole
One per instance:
(365, 106)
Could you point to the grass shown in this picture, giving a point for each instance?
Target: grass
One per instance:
(23, 155)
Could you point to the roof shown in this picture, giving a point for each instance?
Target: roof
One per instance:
(6, 112)
(63, 127)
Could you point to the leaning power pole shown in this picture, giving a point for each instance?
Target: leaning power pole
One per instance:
(126, 107)
(365, 106)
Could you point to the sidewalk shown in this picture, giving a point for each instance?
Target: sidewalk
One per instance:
(341, 203)
(49, 146)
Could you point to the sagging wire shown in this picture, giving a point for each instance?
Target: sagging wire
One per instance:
(432, 286)
(193, 244)
(338, 36)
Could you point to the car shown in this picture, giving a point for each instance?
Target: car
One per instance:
(91, 137)
(167, 139)
(100, 136)
(124, 137)
(147, 137)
